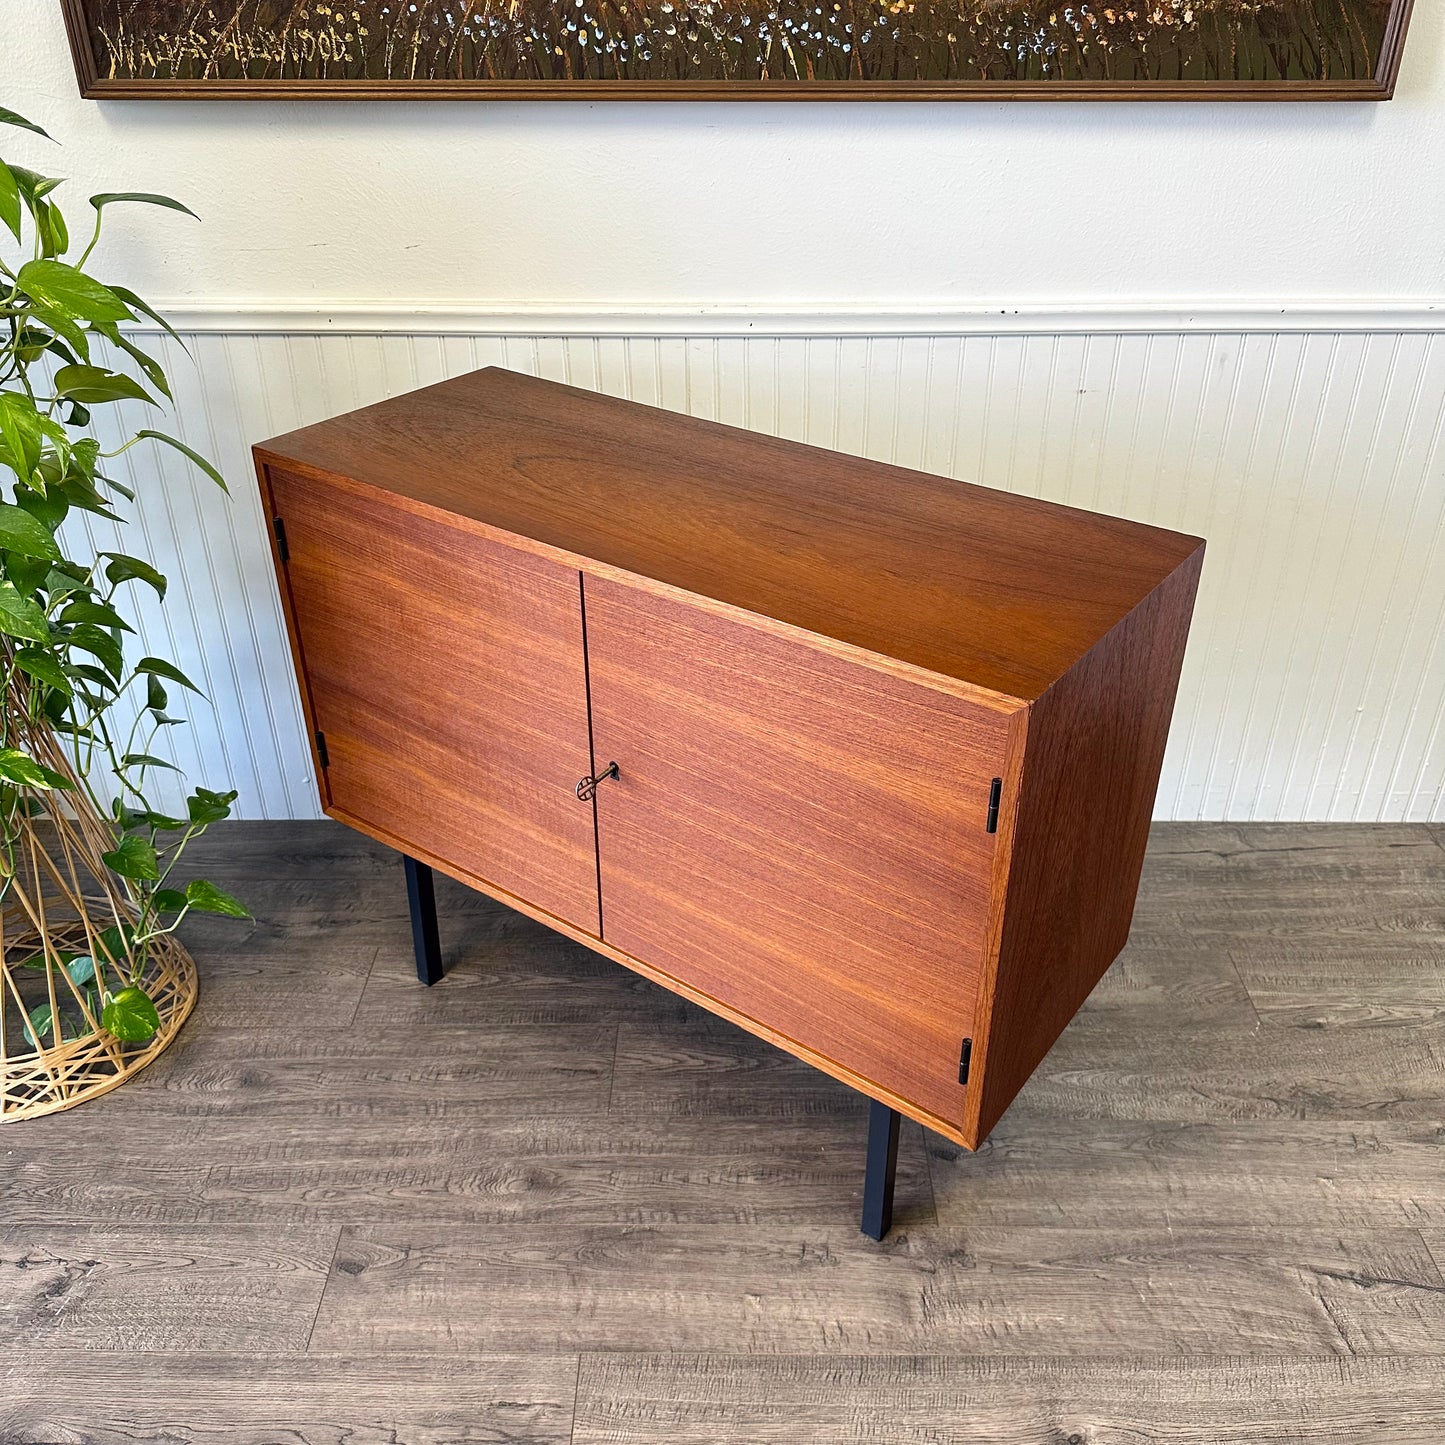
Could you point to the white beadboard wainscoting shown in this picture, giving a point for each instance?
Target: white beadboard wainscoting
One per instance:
(1305, 445)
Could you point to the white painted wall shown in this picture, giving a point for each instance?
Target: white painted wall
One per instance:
(766, 204)
(1230, 329)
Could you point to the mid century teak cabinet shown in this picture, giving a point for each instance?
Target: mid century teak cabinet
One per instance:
(860, 758)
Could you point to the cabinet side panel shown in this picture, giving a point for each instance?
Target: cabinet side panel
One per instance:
(1090, 772)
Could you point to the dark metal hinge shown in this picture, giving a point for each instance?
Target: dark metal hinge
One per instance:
(995, 792)
(282, 550)
(965, 1057)
(321, 749)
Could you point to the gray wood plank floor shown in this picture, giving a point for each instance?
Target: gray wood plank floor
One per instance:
(547, 1201)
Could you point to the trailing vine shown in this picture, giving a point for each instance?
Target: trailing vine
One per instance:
(66, 348)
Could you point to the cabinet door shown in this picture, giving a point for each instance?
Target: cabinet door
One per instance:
(799, 836)
(447, 673)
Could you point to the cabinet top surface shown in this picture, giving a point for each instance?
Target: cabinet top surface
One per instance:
(1000, 591)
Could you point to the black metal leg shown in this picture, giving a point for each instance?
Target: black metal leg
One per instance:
(882, 1167)
(421, 895)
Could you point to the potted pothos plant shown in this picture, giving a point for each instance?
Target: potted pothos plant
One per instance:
(94, 981)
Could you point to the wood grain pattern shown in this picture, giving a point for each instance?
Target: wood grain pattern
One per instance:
(796, 841)
(168, 1288)
(488, 1166)
(1317, 984)
(802, 839)
(1055, 1291)
(699, 1067)
(116, 1398)
(1090, 767)
(1001, 592)
(859, 1399)
(1193, 1070)
(332, 1073)
(1273, 1173)
(448, 676)
(1177, 1233)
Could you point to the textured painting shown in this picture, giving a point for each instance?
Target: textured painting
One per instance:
(899, 49)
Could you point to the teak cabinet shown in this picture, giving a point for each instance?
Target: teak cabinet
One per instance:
(859, 758)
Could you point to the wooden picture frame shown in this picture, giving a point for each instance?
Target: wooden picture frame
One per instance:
(209, 41)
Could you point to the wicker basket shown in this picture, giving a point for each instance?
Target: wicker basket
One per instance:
(61, 900)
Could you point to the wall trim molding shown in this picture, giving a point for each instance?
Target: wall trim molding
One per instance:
(351, 318)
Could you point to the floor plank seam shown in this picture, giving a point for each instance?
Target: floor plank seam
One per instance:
(612, 1076)
(576, 1400)
(1436, 1258)
(928, 1176)
(365, 984)
(1244, 985)
(325, 1285)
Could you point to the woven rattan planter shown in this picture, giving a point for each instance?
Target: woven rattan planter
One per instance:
(61, 901)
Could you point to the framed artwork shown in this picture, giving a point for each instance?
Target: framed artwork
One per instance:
(739, 49)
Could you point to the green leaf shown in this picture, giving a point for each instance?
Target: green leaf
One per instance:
(44, 667)
(27, 573)
(78, 573)
(159, 821)
(103, 681)
(9, 200)
(99, 613)
(205, 807)
(159, 667)
(133, 858)
(32, 342)
(146, 760)
(20, 532)
(84, 455)
(155, 694)
(20, 617)
(168, 900)
(210, 899)
(115, 486)
(21, 768)
(99, 644)
(155, 373)
(114, 942)
(70, 292)
(60, 323)
(9, 117)
(94, 384)
(61, 350)
(33, 186)
(81, 969)
(48, 509)
(130, 1015)
(39, 1022)
(50, 227)
(193, 456)
(136, 304)
(120, 568)
(80, 492)
(20, 433)
(110, 197)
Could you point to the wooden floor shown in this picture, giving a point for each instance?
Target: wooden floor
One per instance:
(546, 1201)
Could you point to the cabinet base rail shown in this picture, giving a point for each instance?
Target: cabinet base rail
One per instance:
(883, 1123)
